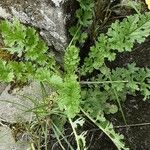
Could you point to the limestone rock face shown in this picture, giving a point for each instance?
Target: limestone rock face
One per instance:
(49, 16)
(7, 141)
(2, 87)
(15, 107)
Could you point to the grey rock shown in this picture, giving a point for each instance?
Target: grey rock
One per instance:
(6, 139)
(47, 15)
(14, 106)
(57, 2)
(7, 142)
(2, 87)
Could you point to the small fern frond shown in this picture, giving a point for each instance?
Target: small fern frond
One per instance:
(120, 37)
(69, 96)
(71, 59)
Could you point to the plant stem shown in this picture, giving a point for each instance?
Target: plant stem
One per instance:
(117, 98)
(75, 134)
(98, 125)
(101, 82)
(55, 129)
(133, 125)
(120, 107)
(74, 36)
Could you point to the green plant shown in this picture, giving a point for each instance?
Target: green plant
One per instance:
(26, 44)
(120, 37)
(95, 97)
(84, 17)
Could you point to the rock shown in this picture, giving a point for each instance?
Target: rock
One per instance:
(14, 106)
(57, 2)
(6, 137)
(7, 142)
(49, 16)
(2, 87)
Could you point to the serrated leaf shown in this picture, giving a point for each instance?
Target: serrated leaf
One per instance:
(13, 50)
(82, 136)
(6, 74)
(71, 59)
(121, 36)
(110, 109)
(69, 96)
(56, 80)
(13, 33)
(31, 38)
(42, 75)
(79, 121)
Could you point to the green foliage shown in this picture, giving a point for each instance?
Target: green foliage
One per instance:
(5, 72)
(107, 128)
(97, 55)
(84, 17)
(98, 97)
(96, 102)
(71, 59)
(26, 43)
(14, 35)
(125, 80)
(69, 96)
(80, 138)
(137, 80)
(69, 93)
(121, 36)
(84, 14)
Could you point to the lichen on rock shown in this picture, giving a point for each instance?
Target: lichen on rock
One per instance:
(46, 15)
